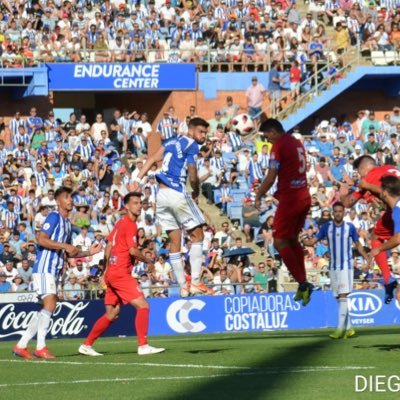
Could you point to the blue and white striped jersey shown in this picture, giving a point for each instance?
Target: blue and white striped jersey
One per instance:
(166, 128)
(340, 239)
(178, 154)
(58, 229)
(235, 140)
(15, 124)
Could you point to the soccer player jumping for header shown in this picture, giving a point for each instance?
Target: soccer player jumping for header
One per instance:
(176, 209)
(288, 164)
(369, 188)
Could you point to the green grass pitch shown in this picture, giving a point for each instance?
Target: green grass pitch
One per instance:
(269, 365)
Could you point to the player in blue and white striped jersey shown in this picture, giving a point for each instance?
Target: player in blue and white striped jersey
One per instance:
(166, 127)
(176, 208)
(54, 240)
(341, 236)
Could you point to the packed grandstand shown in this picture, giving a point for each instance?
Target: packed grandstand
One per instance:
(100, 158)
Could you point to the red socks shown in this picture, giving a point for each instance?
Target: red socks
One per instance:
(142, 325)
(381, 260)
(98, 329)
(294, 261)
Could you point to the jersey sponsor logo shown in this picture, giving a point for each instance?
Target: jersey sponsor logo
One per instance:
(364, 304)
(178, 316)
(46, 226)
(69, 324)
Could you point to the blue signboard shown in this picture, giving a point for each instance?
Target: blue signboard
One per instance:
(122, 76)
(242, 313)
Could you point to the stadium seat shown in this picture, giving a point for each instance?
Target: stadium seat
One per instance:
(391, 57)
(378, 58)
(217, 196)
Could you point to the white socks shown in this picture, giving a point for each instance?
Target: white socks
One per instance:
(196, 261)
(177, 266)
(29, 333)
(43, 326)
(344, 320)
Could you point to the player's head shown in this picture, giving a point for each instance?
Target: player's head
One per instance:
(63, 197)
(198, 128)
(338, 212)
(390, 187)
(271, 129)
(364, 164)
(133, 203)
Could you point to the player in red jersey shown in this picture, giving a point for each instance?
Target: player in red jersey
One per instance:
(369, 188)
(121, 286)
(288, 164)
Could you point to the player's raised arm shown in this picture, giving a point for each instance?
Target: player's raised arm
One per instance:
(348, 199)
(43, 239)
(156, 157)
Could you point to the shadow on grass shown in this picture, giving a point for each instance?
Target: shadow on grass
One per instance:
(266, 376)
(383, 347)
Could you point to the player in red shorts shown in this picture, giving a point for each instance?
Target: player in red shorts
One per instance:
(121, 286)
(369, 188)
(288, 164)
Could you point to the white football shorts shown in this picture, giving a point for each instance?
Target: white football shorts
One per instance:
(44, 284)
(341, 281)
(176, 210)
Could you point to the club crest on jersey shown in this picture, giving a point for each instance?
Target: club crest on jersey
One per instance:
(46, 226)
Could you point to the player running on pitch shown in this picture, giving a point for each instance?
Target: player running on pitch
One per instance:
(121, 250)
(341, 236)
(288, 164)
(54, 240)
(369, 189)
(176, 209)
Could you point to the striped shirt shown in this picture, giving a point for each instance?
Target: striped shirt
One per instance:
(41, 178)
(15, 124)
(235, 140)
(17, 200)
(217, 163)
(85, 151)
(18, 138)
(255, 170)
(11, 219)
(165, 127)
(340, 239)
(58, 229)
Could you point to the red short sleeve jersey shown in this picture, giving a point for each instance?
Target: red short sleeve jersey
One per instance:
(374, 178)
(288, 157)
(122, 237)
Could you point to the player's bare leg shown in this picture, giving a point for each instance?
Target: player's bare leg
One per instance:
(175, 257)
(293, 256)
(101, 325)
(382, 261)
(142, 327)
(196, 262)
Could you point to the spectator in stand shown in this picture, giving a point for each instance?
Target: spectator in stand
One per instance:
(72, 289)
(5, 286)
(261, 279)
(255, 97)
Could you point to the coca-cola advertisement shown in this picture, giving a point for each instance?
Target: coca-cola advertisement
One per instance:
(71, 319)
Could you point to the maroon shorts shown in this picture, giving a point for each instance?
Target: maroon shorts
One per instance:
(291, 216)
(121, 289)
(384, 227)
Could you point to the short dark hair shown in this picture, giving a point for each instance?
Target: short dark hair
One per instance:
(391, 184)
(366, 158)
(271, 123)
(338, 204)
(198, 122)
(130, 195)
(61, 190)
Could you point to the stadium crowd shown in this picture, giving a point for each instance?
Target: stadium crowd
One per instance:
(216, 32)
(100, 159)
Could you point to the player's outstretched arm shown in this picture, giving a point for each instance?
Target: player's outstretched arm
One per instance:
(361, 250)
(375, 189)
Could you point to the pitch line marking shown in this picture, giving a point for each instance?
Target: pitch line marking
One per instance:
(166, 378)
(196, 366)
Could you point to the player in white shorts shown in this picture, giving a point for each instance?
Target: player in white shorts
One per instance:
(54, 240)
(340, 236)
(177, 209)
